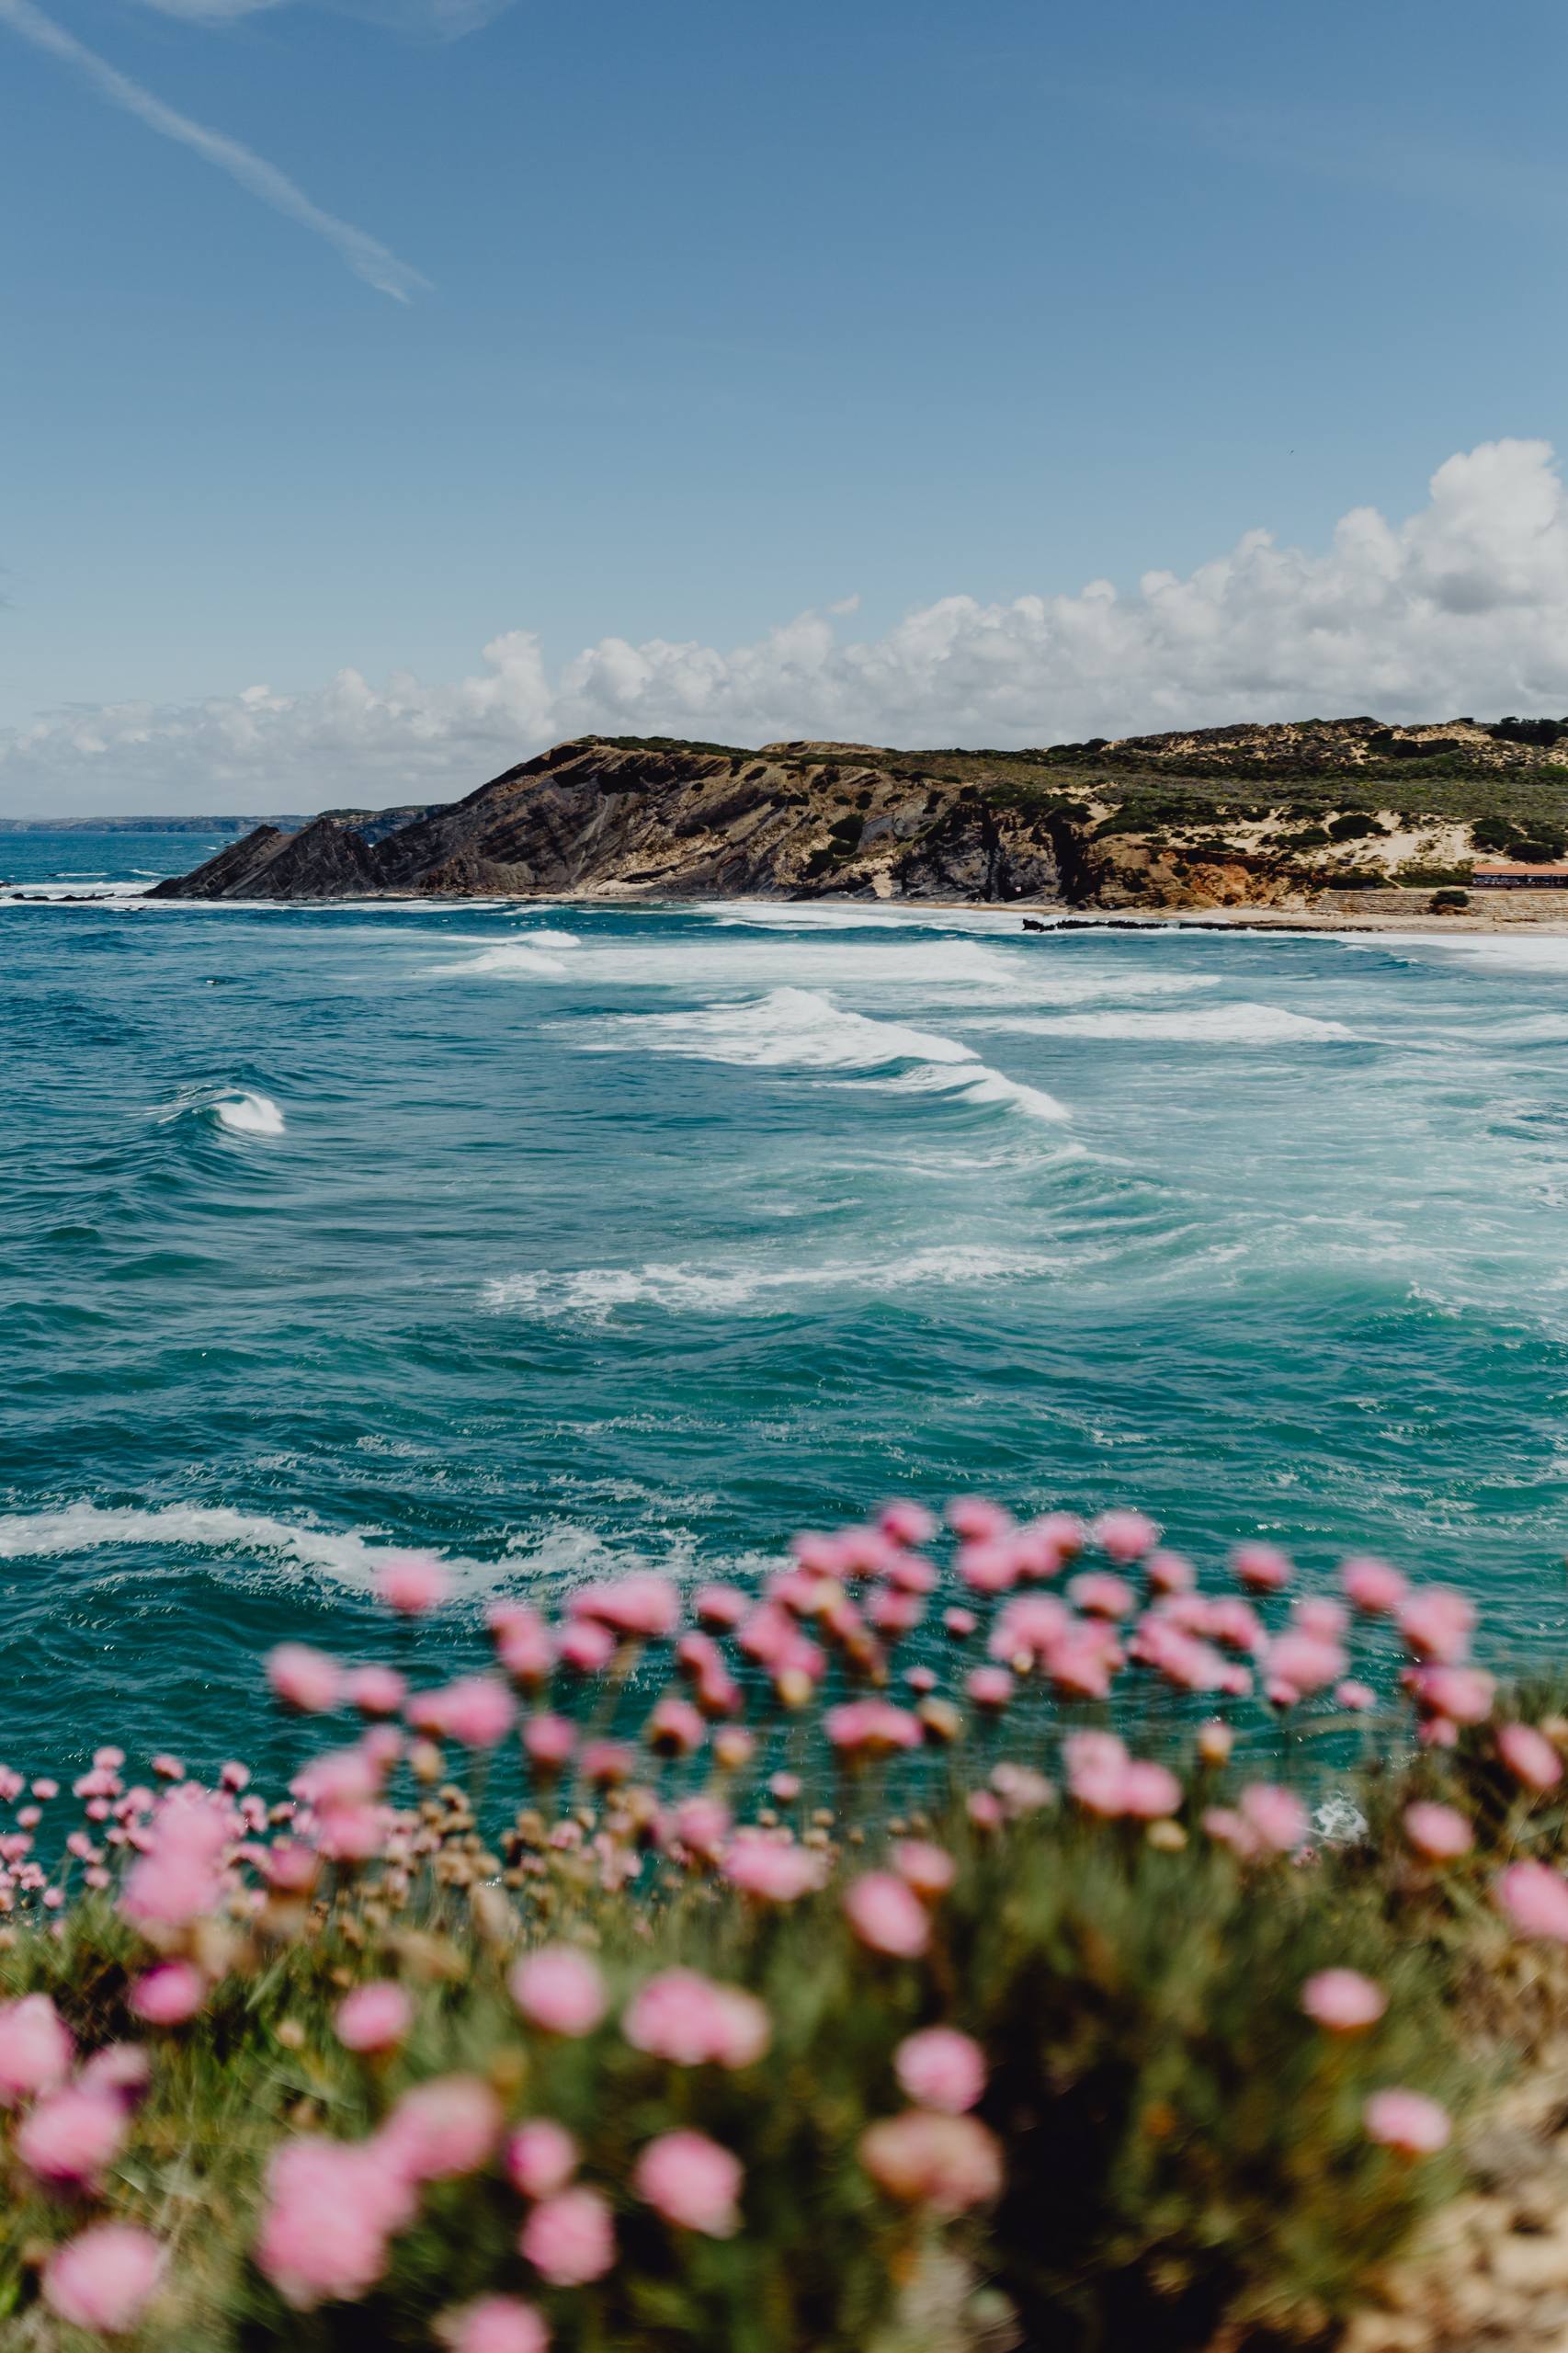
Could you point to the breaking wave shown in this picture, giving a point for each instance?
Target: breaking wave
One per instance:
(249, 1115)
(507, 958)
(801, 1029)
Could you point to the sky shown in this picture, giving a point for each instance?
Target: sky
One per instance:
(391, 388)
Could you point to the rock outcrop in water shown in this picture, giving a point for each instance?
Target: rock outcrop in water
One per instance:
(1271, 816)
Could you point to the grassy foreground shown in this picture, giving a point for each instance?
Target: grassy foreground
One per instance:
(743, 1970)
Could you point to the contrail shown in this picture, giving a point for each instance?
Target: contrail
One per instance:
(365, 257)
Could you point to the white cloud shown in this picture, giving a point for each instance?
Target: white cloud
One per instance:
(365, 255)
(1463, 606)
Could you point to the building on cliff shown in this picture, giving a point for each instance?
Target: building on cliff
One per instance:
(1504, 875)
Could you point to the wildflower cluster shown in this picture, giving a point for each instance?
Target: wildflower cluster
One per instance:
(681, 1976)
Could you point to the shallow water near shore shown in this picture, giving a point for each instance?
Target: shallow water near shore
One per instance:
(563, 1237)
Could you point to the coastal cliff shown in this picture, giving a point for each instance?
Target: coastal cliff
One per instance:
(1267, 816)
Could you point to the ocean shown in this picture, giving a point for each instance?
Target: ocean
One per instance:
(559, 1238)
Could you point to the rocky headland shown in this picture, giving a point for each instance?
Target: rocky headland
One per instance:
(1286, 819)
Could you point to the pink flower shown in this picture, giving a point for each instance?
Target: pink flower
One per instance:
(644, 1604)
(886, 1916)
(1124, 1536)
(1304, 1663)
(1437, 1624)
(1407, 2121)
(907, 1523)
(1096, 1764)
(559, 1989)
(960, 1623)
(121, 2070)
(1276, 1817)
(930, 1870)
(990, 1565)
(1320, 1616)
(375, 1690)
(923, 2158)
(36, 2050)
(71, 2136)
(1343, 2000)
(990, 1687)
(1021, 1789)
(1437, 1831)
(606, 1762)
(702, 1824)
(570, 2239)
(977, 1519)
(1150, 1792)
(941, 2068)
(692, 2182)
(1535, 1898)
(1029, 1629)
(549, 1741)
(442, 2130)
(1372, 1585)
(168, 1995)
(479, 1711)
(721, 1605)
(331, 2207)
(675, 1728)
(524, 1645)
(1082, 1664)
(688, 2019)
(1359, 1698)
(290, 1867)
(412, 1583)
(871, 1727)
(104, 2279)
(586, 1646)
(1170, 1572)
(773, 1870)
(304, 1679)
(1263, 1568)
(1462, 1695)
(542, 2157)
(375, 2017)
(1099, 1594)
(494, 2324)
(1529, 1756)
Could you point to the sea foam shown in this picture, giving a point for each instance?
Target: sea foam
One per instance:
(794, 1029)
(1208, 1024)
(249, 1115)
(591, 1294)
(564, 1551)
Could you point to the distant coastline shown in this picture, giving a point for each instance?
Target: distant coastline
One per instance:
(233, 825)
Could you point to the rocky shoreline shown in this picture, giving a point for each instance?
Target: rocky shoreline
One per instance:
(1342, 820)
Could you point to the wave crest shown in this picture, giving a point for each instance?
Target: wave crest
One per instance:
(249, 1115)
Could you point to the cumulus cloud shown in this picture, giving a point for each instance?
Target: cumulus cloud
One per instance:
(1463, 607)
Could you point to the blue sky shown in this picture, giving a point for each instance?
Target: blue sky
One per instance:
(730, 313)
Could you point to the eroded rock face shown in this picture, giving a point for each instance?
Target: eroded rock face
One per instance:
(1224, 817)
(650, 822)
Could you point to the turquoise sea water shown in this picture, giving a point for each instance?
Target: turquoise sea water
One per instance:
(555, 1237)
